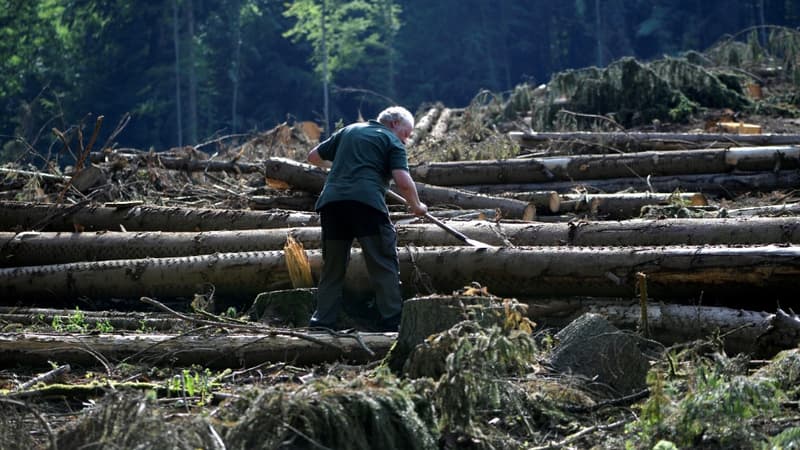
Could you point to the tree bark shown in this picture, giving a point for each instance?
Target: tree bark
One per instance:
(51, 217)
(509, 208)
(423, 127)
(743, 331)
(789, 209)
(312, 179)
(295, 201)
(624, 141)
(118, 320)
(732, 275)
(623, 206)
(726, 185)
(211, 350)
(591, 167)
(30, 249)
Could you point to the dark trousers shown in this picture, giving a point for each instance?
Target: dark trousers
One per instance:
(342, 222)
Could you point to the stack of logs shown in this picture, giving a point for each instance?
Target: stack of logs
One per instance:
(565, 228)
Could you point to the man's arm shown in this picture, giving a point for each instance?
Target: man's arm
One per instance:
(315, 159)
(407, 188)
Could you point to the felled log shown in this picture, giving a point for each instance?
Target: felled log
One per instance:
(439, 130)
(591, 167)
(423, 126)
(789, 209)
(12, 179)
(727, 184)
(625, 141)
(624, 205)
(509, 208)
(311, 178)
(757, 333)
(296, 201)
(34, 216)
(725, 274)
(118, 320)
(29, 249)
(208, 350)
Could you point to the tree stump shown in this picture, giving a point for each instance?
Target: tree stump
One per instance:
(425, 316)
(590, 346)
(290, 307)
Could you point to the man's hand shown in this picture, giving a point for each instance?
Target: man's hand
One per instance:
(419, 210)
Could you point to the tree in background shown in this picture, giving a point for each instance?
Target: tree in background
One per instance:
(187, 70)
(32, 79)
(342, 34)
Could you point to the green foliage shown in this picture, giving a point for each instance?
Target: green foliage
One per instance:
(362, 413)
(710, 403)
(76, 323)
(475, 371)
(234, 69)
(786, 439)
(196, 381)
(352, 29)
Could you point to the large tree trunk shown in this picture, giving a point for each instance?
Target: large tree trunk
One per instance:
(726, 185)
(591, 167)
(19, 216)
(731, 276)
(625, 141)
(29, 249)
(208, 350)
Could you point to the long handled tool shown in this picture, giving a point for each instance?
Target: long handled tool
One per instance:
(459, 235)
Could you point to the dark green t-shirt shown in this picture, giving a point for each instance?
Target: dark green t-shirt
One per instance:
(364, 155)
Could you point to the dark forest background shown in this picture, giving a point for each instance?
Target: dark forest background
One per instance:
(188, 71)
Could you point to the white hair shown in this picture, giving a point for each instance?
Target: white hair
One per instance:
(395, 113)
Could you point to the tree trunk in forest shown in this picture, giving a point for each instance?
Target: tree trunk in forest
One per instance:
(33, 249)
(208, 350)
(605, 142)
(236, 12)
(177, 46)
(593, 167)
(193, 126)
(732, 276)
(326, 75)
(725, 185)
(22, 216)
